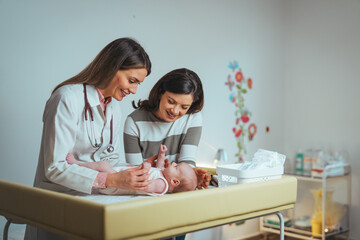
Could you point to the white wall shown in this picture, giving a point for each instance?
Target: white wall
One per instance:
(46, 42)
(321, 83)
(285, 46)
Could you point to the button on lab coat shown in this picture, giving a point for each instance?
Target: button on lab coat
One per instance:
(66, 131)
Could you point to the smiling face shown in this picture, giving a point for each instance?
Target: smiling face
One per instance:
(173, 106)
(124, 82)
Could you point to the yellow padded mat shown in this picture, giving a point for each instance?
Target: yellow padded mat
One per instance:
(147, 218)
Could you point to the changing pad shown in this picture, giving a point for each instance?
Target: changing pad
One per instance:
(144, 217)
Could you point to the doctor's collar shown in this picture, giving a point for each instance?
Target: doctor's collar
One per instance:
(92, 95)
(103, 100)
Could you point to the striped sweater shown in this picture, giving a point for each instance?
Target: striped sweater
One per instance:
(143, 134)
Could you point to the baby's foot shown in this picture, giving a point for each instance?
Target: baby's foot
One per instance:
(71, 159)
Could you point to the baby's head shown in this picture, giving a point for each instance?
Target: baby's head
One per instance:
(181, 177)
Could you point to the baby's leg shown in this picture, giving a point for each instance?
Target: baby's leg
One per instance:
(160, 163)
(101, 166)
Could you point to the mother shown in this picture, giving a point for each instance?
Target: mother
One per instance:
(171, 116)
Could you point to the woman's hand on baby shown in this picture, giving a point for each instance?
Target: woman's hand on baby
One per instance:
(203, 178)
(166, 164)
(129, 179)
(152, 160)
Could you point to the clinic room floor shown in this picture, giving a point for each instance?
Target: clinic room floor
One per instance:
(16, 232)
(276, 237)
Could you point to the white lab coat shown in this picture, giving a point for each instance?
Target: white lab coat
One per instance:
(66, 131)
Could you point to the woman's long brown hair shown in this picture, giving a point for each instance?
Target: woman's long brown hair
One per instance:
(120, 54)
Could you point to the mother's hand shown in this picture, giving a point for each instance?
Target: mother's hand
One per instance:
(203, 178)
(129, 179)
(152, 160)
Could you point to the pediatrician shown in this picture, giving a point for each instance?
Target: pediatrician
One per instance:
(82, 120)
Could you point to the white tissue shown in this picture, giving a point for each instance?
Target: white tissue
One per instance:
(264, 159)
(265, 165)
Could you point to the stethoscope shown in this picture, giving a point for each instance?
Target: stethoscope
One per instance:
(87, 108)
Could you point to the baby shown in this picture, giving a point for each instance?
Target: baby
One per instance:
(166, 178)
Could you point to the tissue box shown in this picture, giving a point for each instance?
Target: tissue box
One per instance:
(232, 174)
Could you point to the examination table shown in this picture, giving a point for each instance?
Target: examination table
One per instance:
(146, 218)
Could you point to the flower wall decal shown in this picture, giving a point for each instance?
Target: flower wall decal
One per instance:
(239, 86)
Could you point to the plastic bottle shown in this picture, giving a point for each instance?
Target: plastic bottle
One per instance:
(299, 163)
(307, 162)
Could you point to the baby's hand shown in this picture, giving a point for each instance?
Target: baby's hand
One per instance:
(163, 149)
(160, 162)
(145, 165)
